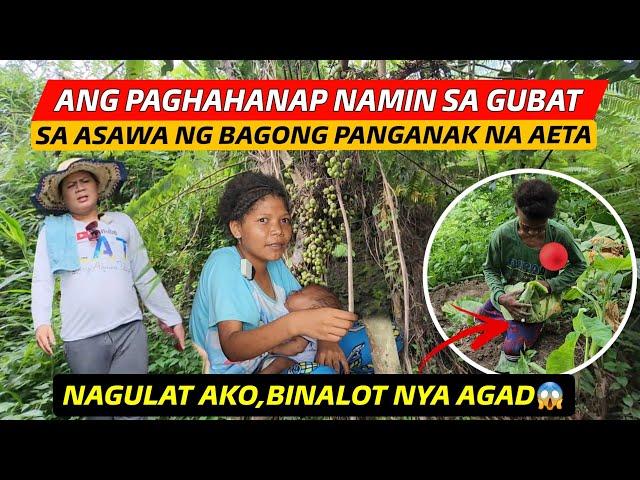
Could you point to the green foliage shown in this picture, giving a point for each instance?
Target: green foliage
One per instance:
(165, 358)
(177, 218)
(598, 285)
(592, 328)
(459, 319)
(620, 363)
(461, 243)
(524, 365)
(562, 359)
(172, 196)
(134, 69)
(612, 265)
(18, 95)
(460, 246)
(340, 250)
(11, 231)
(623, 98)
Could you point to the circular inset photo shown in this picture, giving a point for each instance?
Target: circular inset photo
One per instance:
(530, 271)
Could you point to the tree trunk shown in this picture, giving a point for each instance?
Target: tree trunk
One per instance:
(227, 66)
(383, 345)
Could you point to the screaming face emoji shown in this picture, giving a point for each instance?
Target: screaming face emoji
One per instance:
(549, 396)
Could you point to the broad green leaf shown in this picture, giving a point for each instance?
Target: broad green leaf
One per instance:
(623, 381)
(340, 250)
(547, 307)
(37, 413)
(572, 294)
(563, 72)
(546, 71)
(593, 328)
(617, 281)
(605, 218)
(134, 69)
(612, 264)
(605, 230)
(586, 245)
(522, 365)
(562, 359)
(581, 283)
(505, 366)
(457, 315)
(514, 288)
(578, 323)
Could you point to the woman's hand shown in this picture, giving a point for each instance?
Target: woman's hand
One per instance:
(331, 355)
(293, 347)
(328, 324)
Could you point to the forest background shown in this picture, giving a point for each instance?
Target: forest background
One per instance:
(391, 201)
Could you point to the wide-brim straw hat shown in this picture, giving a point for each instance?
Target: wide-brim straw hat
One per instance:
(110, 174)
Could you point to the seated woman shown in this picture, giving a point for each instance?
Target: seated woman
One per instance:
(239, 313)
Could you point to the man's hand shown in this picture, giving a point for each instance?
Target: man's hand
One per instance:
(517, 310)
(45, 338)
(293, 347)
(331, 355)
(177, 331)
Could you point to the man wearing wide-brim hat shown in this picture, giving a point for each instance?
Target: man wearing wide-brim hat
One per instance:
(101, 261)
(109, 177)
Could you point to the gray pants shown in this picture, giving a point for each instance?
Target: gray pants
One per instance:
(121, 350)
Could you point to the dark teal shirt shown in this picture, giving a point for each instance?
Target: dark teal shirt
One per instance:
(510, 261)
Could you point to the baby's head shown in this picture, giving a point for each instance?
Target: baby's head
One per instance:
(312, 296)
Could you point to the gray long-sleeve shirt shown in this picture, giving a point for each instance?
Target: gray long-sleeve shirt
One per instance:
(101, 295)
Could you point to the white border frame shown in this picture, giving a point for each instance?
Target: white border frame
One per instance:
(434, 232)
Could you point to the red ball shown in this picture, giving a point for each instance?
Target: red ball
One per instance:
(553, 256)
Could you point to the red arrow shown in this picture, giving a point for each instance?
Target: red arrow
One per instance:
(489, 328)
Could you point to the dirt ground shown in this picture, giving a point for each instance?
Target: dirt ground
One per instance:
(552, 336)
